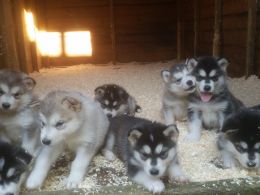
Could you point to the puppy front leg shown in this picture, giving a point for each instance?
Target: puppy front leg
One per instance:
(29, 142)
(79, 166)
(176, 173)
(195, 126)
(108, 150)
(168, 116)
(228, 159)
(43, 163)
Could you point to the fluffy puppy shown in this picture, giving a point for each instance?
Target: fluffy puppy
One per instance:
(178, 84)
(13, 164)
(73, 121)
(115, 100)
(149, 150)
(18, 116)
(239, 142)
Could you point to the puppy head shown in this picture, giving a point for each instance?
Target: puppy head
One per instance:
(113, 99)
(15, 90)
(13, 163)
(60, 117)
(178, 79)
(210, 74)
(154, 147)
(242, 130)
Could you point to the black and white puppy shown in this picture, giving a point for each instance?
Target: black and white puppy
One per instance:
(115, 100)
(212, 101)
(178, 84)
(149, 150)
(13, 164)
(239, 141)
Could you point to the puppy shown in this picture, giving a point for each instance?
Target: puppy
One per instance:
(149, 150)
(13, 164)
(68, 120)
(212, 101)
(178, 84)
(239, 142)
(18, 116)
(115, 100)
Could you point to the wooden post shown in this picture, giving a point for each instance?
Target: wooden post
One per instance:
(196, 28)
(179, 31)
(251, 33)
(217, 38)
(113, 32)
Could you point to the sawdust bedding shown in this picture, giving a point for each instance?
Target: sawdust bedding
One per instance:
(143, 81)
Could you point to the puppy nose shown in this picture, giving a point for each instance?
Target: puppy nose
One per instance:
(207, 88)
(6, 105)
(46, 141)
(154, 171)
(189, 83)
(251, 164)
(109, 115)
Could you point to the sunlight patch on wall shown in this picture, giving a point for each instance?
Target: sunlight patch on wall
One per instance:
(30, 27)
(49, 43)
(78, 43)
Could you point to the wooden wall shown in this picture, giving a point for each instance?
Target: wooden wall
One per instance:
(144, 30)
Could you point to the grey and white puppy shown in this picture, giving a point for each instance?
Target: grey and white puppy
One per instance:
(239, 142)
(73, 121)
(178, 84)
(149, 150)
(18, 116)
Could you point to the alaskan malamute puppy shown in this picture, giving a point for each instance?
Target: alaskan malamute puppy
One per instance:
(149, 150)
(212, 101)
(13, 164)
(240, 140)
(115, 100)
(69, 120)
(18, 116)
(178, 84)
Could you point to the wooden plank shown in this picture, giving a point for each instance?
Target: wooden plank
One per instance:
(113, 32)
(179, 30)
(196, 28)
(251, 32)
(217, 37)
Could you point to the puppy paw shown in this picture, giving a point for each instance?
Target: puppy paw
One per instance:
(33, 182)
(109, 155)
(192, 137)
(182, 179)
(73, 183)
(156, 186)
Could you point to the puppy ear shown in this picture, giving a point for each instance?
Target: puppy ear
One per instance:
(22, 156)
(172, 132)
(166, 75)
(223, 63)
(123, 94)
(29, 83)
(72, 103)
(133, 136)
(191, 63)
(99, 92)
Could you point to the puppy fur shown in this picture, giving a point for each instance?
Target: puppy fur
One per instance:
(18, 110)
(115, 100)
(73, 121)
(239, 142)
(13, 164)
(149, 150)
(178, 84)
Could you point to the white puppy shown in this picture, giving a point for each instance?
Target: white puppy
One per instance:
(69, 120)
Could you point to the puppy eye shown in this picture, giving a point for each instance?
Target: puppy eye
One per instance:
(178, 81)
(164, 155)
(60, 125)
(214, 78)
(144, 156)
(1, 92)
(42, 124)
(17, 95)
(240, 148)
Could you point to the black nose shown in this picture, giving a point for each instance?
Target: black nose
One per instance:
(109, 115)
(189, 83)
(46, 141)
(6, 105)
(251, 164)
(207, 88)
(154, 171)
